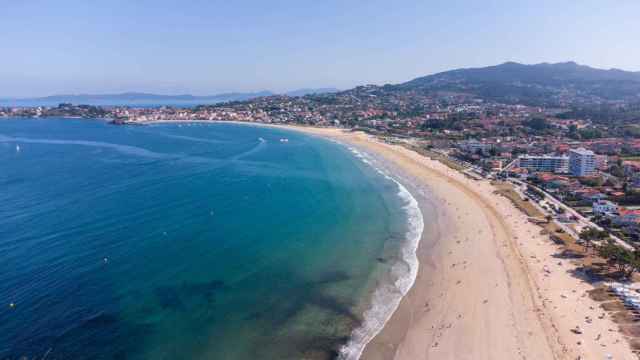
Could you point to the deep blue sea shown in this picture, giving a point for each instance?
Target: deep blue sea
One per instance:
(192, 241)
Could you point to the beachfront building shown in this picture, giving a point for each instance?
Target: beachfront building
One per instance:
(602, 162)
(627, 217)
(474, 146)
(582, 162)
(544, 163)
(603, 207)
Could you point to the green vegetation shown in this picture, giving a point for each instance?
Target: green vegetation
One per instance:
(535, 191)
(538, 124)
(593, 181)
(506, 189)
(630, 158)
(590, 235)
(605, 114)
(436, 156)
(624, 260)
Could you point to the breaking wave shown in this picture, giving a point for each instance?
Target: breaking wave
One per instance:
(386, 298)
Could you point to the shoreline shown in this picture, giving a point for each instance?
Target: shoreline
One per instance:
(386, 298)
(377, 304)
(489, 283)
(483, 288)
(362, 335)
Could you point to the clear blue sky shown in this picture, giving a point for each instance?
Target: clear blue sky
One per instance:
(206, 47)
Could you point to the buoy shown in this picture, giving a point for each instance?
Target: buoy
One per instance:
(106, 260)
(12, 305)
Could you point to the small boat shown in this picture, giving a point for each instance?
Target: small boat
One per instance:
(17, 148)
(284, 140)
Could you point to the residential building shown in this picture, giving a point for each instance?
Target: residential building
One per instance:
(474, 146)
(544, 163)
(602, 207)
(602, 162)
(582, 162)
(631, 168)
(627, 217)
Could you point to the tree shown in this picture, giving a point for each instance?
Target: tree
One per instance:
(573, 131)
(624, 260)
(590, 133)
(517, 151)
(537, 124)
(593, 181)
(616, 171)
(590, 235)
(535, 191)
(606, 222)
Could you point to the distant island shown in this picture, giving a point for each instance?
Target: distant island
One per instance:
(147, 99)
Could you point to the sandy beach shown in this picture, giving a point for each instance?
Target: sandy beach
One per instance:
(489, 286)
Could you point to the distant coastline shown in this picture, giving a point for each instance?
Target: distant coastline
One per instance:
(138, 99)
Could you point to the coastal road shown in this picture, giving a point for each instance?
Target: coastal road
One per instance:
(583, 221)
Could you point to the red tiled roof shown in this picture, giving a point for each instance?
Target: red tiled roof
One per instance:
(624, 212)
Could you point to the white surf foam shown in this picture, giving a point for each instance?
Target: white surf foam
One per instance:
(386, 298)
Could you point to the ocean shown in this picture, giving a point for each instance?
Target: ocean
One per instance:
(195, 241)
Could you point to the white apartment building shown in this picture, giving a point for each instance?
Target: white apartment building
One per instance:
(582, 162)
(544, 163)
(602, 207)
(473, 146)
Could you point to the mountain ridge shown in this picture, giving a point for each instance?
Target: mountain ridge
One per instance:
(537, 84)
(542, 84)
(511, 70)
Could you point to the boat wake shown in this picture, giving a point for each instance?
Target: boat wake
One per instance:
(262, 143)
(127, 149)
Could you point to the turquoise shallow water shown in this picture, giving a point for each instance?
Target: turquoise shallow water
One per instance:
(200, 241)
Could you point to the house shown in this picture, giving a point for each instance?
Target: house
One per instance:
(635, 181)
(603, 207)
(601, 162)
(630, 167)
(627, 217)
(587, 193)
(473, 146)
